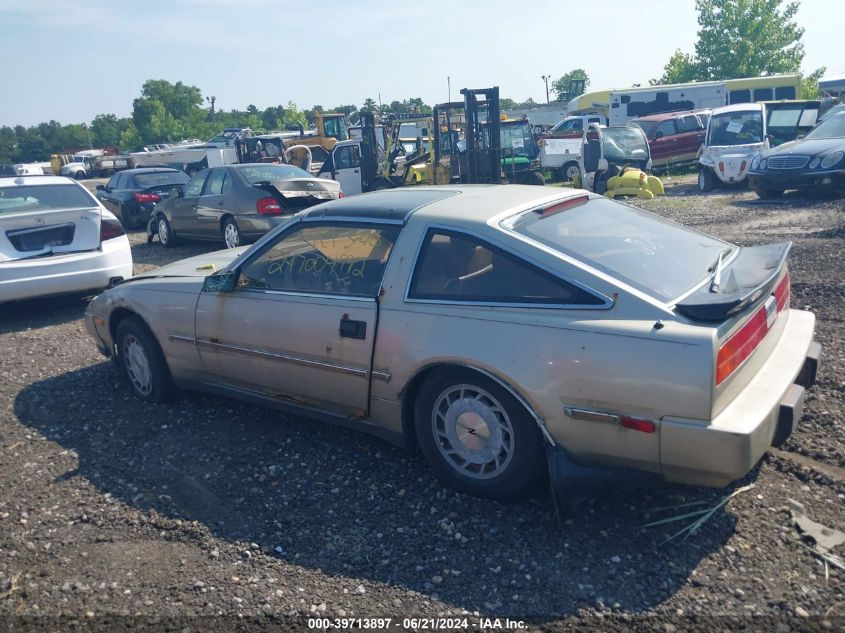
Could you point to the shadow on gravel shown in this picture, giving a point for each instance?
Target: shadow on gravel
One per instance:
(320, 497)
(39, 313)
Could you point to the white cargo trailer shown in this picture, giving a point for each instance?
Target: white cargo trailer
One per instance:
(635, 102)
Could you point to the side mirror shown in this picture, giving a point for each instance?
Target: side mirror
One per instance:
(175, 192)
(224, 282)
(101, 188)
(800, 136)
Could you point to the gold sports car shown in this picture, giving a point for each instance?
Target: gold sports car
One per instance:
(497, 328)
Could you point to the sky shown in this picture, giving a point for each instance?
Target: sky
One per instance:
(69, 61)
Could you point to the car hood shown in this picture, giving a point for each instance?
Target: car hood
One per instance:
(199, 266)
(807, 147)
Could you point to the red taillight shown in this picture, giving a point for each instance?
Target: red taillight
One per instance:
(146, 197)
(742, 166)
(110, 229)
(782, 293)
(340, 194)
(740, 346)
(268, 206)
(722, 167)
(646, 426)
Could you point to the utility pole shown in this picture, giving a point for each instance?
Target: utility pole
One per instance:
(90, 144)
(546, 78)
(449, 89)
(211, 100)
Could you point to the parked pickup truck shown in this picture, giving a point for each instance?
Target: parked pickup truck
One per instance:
(94, 163)
(560, 147)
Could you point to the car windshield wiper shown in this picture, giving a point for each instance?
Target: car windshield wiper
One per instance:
(716, 269)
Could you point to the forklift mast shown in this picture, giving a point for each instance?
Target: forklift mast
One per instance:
(369, 152)
(483, 154)
(445, 110)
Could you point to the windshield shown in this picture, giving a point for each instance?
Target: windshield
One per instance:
(44, 198)
(567, 125)
(519, 139)
(648, 127)
(262, 173)
(154, 179)
(624, 143)
(334, 126)
(644, 250)
(833, 127)
(736, 128)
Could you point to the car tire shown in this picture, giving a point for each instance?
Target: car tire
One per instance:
(768, 193)
(570, 172)
(142, 362)
(231, 233)
(477, 438)
(166, 234)
(705, 180)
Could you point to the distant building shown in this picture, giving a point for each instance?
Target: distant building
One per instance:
(833, 85)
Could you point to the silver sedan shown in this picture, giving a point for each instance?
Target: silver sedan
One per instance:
(500, 329)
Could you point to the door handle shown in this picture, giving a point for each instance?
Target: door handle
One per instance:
(220, 204)
(353, 329)
(355, 172)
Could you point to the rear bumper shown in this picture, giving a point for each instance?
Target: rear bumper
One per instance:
(765, 412)
(65, 274)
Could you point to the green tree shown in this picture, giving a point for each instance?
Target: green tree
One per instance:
(507, 104)
(105, 130)
(747, 38)
(561, 85)
(178, 99)
(8, 145)
(680, 69)
(369, 105)
(130, 140)
(810, 84)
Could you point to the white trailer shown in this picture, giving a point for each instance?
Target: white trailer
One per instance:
(635, 102)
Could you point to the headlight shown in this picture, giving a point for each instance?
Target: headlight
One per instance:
(763, 164)
(815, 162)
(831, 159)
(755, 162)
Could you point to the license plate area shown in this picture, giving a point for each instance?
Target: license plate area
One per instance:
(37, 239)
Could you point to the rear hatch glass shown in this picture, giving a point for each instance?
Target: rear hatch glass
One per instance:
(40, 220)
(656, 256)
(161, 182)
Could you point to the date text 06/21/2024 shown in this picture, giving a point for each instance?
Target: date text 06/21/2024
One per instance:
(432, 624)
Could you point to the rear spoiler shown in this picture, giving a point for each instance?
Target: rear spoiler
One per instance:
(752, 274)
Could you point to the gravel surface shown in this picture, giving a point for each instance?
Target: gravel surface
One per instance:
(111, 509)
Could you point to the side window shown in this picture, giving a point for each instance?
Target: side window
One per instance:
(687, 124)
(216, 183)
(763, 94)
(194, 185)
(740, 96)
(346, 157)
(114, 182)
(594, 120)
(785, 92)
(325, 259)
(666, 128)
(456, 267)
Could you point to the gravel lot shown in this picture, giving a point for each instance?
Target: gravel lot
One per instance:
(112, 508)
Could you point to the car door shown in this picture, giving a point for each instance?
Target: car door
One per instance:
(347, 168)
(665, 143)
(688, 138)
(109, 194)
(300, 324)
(211, 204)
(183, 210)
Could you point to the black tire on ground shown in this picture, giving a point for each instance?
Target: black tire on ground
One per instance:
(166, 234)
(460, 415)
(231, 233)
(705, 180)
(569, 171)
(142, 362)
(763, 192)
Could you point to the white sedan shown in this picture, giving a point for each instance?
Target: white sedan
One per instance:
(56, 238)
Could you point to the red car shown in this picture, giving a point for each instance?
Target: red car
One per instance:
(674, 138)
